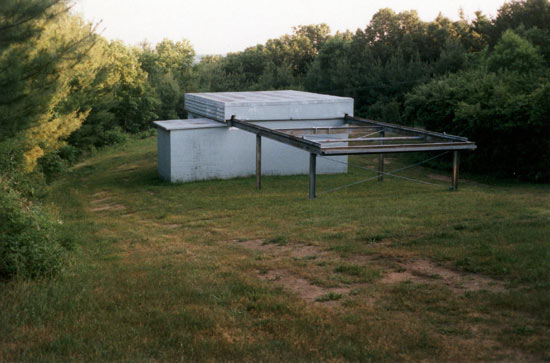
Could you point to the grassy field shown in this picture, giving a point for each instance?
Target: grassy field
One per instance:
(217, 270)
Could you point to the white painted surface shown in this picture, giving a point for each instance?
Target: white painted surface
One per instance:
(224, 152)
(189, 124)
(267, 105)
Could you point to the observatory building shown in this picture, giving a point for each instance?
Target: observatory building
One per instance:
(205, 146)
(233, 134)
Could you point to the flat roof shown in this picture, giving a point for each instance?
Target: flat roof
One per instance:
(267, 105)
(265, 98)
(189, 124)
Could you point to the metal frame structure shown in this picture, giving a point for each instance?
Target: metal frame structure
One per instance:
(390, 138)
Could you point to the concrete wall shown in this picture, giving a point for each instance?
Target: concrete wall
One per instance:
(223, 153)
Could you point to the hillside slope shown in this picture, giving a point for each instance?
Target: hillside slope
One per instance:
(217, 270)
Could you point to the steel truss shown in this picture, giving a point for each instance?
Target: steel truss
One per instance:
(390, 138)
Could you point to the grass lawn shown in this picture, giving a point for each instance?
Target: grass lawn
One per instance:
(217, 270)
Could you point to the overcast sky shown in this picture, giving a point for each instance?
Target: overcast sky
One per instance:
(222, 26)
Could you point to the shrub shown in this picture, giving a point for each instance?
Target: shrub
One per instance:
(115, 136)
(29, 246)
(69, 153)
(52, 164)
(29, 185)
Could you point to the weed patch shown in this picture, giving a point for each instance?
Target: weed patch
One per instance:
(331, 296)
(278, 240)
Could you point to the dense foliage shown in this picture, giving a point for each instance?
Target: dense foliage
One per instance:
(501, 103)
(65, 90)
(486, 79)
(30, 242)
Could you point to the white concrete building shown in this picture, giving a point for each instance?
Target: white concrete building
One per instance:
(205, 147)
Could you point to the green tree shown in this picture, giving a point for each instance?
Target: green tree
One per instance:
(169, 67)
(299, 49)
(501, 104)
(513, 53)
(31, 60)
(119, 99)
(43, 50)
(521, 13)
(210, 76)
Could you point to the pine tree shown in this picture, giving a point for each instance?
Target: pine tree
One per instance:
(41, 48)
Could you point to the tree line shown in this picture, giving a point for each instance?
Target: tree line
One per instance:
(486, 79)
(66, 91)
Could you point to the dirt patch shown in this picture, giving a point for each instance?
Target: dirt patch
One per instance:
(427, 272)
(110, 207)
(405, 268)
(397, 277)
(296, 251)
(308, 291)
(303, 288)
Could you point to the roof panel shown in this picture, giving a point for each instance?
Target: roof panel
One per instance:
(189, 124)
(262, 105)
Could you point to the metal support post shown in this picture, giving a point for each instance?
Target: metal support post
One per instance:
(312, 174)
(258, 162)
(456, 161)
(381, 160)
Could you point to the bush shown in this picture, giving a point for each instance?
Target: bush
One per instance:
(52, 164)
(29, 246)
(69, 153)
(29, 185)
(115, 136)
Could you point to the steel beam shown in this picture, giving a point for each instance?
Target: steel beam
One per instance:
(444, 142)
(456, 161)
(312, 174)
(398, 129)
(258, 162)
(381, 161)
(330, 129)
(397, 148)
(369, 139)
(276, 135)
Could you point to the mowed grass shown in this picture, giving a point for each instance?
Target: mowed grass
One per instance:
(162, 271)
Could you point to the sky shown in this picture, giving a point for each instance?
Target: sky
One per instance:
(222, 26)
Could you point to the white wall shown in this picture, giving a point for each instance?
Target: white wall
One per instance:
(221, 153)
